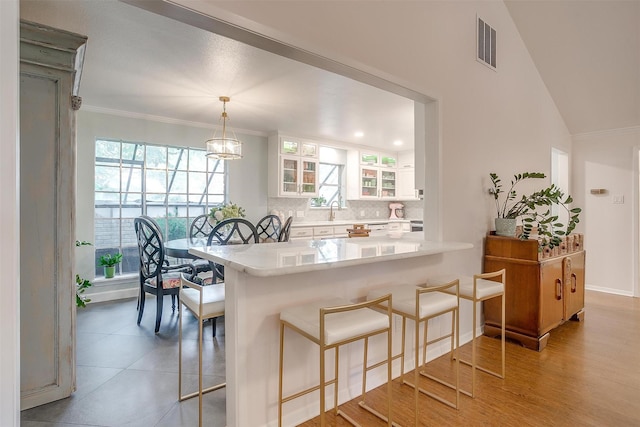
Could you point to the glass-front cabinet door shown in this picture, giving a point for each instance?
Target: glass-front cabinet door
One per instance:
(289, 175)
(372, 158)
(369, 187)
(309, 178)
(376, 182)
(388, 183)
(293, 147)
(298, 177)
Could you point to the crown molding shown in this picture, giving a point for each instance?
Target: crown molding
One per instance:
(162, 119)
(619, 131)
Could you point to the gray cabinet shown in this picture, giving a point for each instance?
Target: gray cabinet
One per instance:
(49, 63)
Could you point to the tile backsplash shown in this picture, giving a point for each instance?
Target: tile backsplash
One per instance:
(355, 209)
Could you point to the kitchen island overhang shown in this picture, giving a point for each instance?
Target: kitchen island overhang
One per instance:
(302, 256)
(262, 279)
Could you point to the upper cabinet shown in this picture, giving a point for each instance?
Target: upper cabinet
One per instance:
(296, 147)
(372, 158)
(406, 176)
(296, 174)
(371, 175)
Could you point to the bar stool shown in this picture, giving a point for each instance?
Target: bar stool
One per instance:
(476, 289)
(330, 324)
(421, 304)
(204, 302)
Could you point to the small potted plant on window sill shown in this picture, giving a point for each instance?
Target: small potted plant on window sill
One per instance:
(109, 262)
(550, 231)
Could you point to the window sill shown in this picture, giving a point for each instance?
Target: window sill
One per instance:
(117, 280)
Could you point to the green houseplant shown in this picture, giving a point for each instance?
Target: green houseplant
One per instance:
(109, 262)
(82, 284)
(535, 209)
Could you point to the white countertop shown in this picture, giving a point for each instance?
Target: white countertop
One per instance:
(340, 222)
(274, 259)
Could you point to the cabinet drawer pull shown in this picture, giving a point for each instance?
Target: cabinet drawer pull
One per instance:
(558, 289)
(574, 283)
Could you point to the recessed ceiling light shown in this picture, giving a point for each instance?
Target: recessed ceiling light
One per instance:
(397, 142)
(359, 134)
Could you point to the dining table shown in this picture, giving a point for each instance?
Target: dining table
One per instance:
(179, 248)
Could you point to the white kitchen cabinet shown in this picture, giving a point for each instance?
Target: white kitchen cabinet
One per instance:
(406, 176)
(298, 177)
(297, 147)
(322, 232)
(301, 233)
(377, 183)
(292, 167)
(371, 176)
(406, 184)
(374, 158)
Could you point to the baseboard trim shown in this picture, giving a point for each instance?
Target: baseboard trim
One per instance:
(112, 295)
(609, 290)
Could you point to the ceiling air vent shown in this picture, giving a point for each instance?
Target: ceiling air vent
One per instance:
(486, 44)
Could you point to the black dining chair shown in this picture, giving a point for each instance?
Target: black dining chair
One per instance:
(157, 277)
(286, 229)
(268, 229)
(200, 229)
(229, 231)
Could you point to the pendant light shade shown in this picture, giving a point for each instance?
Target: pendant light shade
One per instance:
(225, 147)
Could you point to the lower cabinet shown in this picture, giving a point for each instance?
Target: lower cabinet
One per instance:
(541, 293)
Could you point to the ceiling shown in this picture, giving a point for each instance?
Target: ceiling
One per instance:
(142, 63)
(587, 53)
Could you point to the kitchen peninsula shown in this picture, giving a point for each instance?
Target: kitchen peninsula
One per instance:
(262, 279)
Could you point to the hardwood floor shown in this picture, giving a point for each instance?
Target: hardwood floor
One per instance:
(588, 375)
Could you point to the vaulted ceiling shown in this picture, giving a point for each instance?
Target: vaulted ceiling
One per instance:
(588, 55)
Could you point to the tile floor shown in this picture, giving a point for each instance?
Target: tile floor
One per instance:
(127, 375)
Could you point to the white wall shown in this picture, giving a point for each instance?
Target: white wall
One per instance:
(247, 176)
(9, 214)
(608, 160)
(500, 121)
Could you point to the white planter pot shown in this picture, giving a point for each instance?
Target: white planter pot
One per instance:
(506, 227)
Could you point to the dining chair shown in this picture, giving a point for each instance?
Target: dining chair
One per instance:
(286, 229)
(269, 228)
(229, 231)
(157, 277)
(200, 229)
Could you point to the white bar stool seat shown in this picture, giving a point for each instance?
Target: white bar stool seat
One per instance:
(331, 323)
(421, 304)
(204, 302)
(476, 289)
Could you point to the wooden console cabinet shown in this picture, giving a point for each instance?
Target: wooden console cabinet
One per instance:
(543, 290)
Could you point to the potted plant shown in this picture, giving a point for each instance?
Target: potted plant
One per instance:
(535, 210)
(82, 284)
(222, 212)
(109, 261)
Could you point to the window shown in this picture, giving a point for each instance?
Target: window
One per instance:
(331, 187)
(173, 185)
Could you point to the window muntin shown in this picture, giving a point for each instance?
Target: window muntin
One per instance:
(331, 177)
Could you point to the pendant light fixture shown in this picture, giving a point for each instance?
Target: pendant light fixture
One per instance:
(225, 147)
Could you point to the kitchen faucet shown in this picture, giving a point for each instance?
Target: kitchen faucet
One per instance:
(332, 214)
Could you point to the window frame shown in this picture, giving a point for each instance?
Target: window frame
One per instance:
(183, 205)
